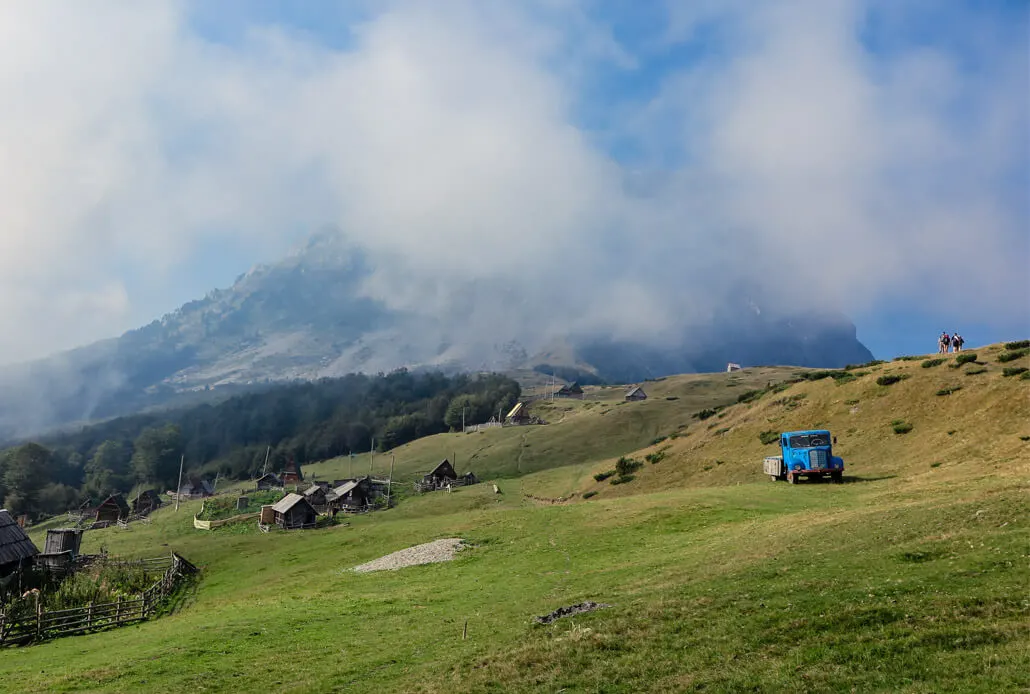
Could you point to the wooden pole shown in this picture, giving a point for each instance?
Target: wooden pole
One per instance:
(179, 487)
(389, 483)
(264, 468)
(465, 630)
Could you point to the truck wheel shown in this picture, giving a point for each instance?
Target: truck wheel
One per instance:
(838, 476)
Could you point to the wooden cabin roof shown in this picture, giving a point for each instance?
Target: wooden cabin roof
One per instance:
(634, 390)
(115, 500)
(445, 469)
(516, 410)
(15, 545)
(287, 502)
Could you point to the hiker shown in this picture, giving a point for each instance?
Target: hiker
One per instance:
(957, 342)
(943, 342)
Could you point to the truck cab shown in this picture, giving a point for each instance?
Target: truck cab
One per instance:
(805, 454)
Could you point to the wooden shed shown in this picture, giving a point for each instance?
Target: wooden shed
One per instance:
(316, 496)
(352, 495)
(16, 549)
(636, 393)
(196, 488)
(112, 509)
(572, 390)
(145, 502)
(441, 474)
(518, 415)
(268, 481)
(63, 540)
(292, 474)
(293, 512)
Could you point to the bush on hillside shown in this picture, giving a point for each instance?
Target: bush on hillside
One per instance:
(657, 440)
(602, 476)
(1025, 376)
(901, 427)
(622, 480)
(816, 375)
(791, 402)
(890, 379)
(768, 437)
(587, 495)
(751, 395)
(948, 391)
(930, 363)
(965, 358)
(1012, 356)
(1022, 344)
(706, 413)
(974, 372)
(907, 358)
(624, 466)
(874, 362)
(655, 458)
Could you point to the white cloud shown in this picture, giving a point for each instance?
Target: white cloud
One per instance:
(445, 142)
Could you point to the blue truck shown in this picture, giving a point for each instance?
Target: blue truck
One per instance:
(804, 454)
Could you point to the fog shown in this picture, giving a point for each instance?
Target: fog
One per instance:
(827, 154)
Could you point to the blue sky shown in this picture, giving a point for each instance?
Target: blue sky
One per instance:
(674, 149)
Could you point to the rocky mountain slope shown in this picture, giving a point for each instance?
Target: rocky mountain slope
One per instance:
(309, 317)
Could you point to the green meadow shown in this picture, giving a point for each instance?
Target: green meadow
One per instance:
(911, 576)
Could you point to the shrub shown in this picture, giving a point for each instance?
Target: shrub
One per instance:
(624, 466)
(658, 439)
(907, 358)
(1025, 376)
(937, 464)
(706, 413)
(1024, 438)
(587, 495)
(974, 372)
(965, 358)
(890, 379)
(672, 397)
(948, 391)
(951, 432)
(874, 362)
(816, 375)
(930, 363)
(655, 458)
(602, 476)
(1012, 356)
(767, 437)
(1022, 344)
(622, 480)
(901, 427)
(719, 432)
(751, 395)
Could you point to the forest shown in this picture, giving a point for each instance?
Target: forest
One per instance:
(302, 422)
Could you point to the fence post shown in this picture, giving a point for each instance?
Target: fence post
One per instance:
(142, 605)
(3, 627)
(39, 616)
(89, 614)
(118, 611)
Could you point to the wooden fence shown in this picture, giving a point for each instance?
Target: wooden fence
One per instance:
(46, 624)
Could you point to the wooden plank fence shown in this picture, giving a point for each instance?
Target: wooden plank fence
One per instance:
(45, 624)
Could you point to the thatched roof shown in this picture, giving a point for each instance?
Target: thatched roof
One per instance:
(15, 545)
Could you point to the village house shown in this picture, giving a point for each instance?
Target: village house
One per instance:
(440, 476)
(294, 512)
(16, 549)
(635, 393)
(572, 390)
(352, 495)
(268, 481)
(732, 367)
(61, 548)
(292, 474)
(196, 488)
(145, 502)
(316, 496)
(112, 509)
(518, 415)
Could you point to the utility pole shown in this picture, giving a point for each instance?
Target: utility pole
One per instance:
(264, 468)
(389, 483)
(178, 489)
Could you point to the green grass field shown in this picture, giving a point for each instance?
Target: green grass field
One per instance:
(912, 576)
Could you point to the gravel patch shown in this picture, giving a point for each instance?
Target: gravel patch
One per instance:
(428, 553)
(570, 610)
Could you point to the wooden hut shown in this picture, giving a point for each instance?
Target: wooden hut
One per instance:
(293, 512)
(352, 495)
(16, 549)
(112, 509)
(268, 481)
(292, 474)
(145, 502)
(196, 488)
(636, 393)
(63, 540)
(518, 414)
(316, 496)
(572, 390)
(440, 475)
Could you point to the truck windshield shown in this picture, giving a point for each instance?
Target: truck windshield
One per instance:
(809, 440)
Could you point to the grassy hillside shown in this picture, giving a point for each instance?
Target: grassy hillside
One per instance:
(577, 431)
(910, 577)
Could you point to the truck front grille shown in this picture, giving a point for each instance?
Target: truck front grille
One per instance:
(818, 459)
